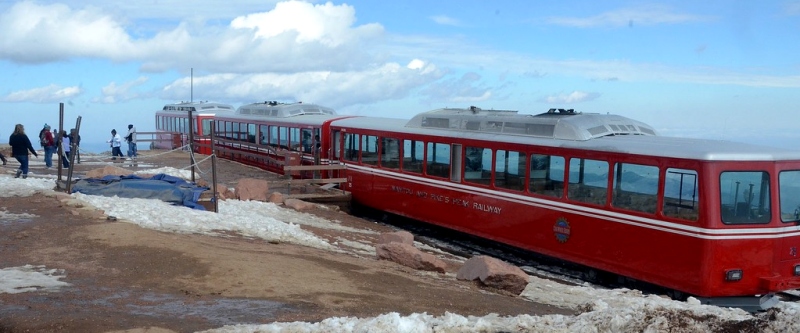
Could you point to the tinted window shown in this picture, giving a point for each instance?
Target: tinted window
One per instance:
(588, 181)
(745, 197)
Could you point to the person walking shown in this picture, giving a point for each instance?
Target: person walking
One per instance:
(131, 138)
(76, 139)
(49, 144)
(3, 158)
(65, 147)
(116, 142)
(20, 145)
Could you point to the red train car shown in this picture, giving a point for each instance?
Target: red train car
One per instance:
(172, 124)
(266, 134)
(713, 219)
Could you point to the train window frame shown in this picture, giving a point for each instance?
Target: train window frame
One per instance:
(434, 164)
(251, 133)
(413, 156)
(502, 166)
(732, 215)
(581, 191)
(369, 149)
(676, 180)
(542, 180)
(306, 140)
(633, 194)
(352, 142)
(206, 122)
(263, 130)
(283, 137)
(390, 153)
(793, 211)
(294, 142)
(478, 165)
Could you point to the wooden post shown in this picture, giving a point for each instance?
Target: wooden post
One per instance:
(214, 166)
(191, 142)
(73, 150)
(59, 149)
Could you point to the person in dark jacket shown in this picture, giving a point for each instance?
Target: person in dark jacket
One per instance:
(20, 145)
(3, 158)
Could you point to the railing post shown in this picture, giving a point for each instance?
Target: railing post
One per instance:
(191, 142)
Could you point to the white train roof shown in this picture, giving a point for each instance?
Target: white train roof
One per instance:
(554, 124)
(282, 110)
(646, 145)
(200, 107)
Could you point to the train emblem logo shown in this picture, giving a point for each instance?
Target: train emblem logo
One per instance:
(561, 229)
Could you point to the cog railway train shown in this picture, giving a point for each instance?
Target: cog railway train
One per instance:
(716, 220)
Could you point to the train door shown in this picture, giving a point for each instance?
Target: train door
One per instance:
(336, 146)
(455, 159)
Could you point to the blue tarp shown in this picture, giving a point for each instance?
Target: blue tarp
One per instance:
(164, 187)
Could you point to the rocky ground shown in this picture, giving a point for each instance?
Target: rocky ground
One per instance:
(124, 277)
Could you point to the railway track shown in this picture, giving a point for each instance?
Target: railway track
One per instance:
(464, 245)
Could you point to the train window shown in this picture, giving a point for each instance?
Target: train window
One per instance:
(307, 139)
(547, 175)
(273, 136)
(390, 153)
(294, 138)
(206, 127)
(509, 170)
(283, 138)
(438, 160)
(789, 184)
(680, 194)
(235, 131)
(251, 133)
(635, 187)
(351, 147)
(369, 149)
(413, 154)
(745, 197)
(478, 165)
(588, 181)
(262, 134)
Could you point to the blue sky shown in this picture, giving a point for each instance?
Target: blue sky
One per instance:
(715, 69)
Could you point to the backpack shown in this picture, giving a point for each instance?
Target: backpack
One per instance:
(42, 140)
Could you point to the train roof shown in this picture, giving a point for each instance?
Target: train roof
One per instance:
(274, 109)
(200, 107)
(554, 124)
(646, 145)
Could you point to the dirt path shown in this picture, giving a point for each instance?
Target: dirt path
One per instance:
(123, 277)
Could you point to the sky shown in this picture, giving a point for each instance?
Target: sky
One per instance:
(600, 310)
(712, 69)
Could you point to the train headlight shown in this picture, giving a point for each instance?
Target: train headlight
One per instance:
(736, 274)
(796, 270)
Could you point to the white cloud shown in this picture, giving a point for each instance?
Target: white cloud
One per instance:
(113, 93)
(390, 81)
(34, 33)
(445, 20)
(652, 15)
(48, 94)
(573, 97)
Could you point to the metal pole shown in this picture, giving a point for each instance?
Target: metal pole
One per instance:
(214, 169)
(191, 141)
(73, 149)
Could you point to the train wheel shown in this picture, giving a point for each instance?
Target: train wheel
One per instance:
(677, 295)
(600, 277)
